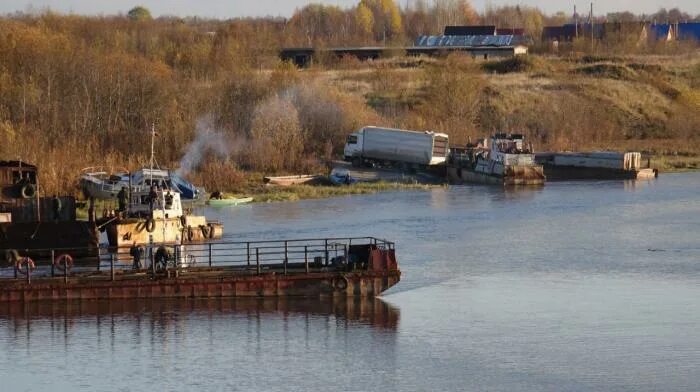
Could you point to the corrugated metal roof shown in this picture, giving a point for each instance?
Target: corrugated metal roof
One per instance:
(464, 40)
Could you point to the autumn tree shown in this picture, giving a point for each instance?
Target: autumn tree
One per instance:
(423, 19)
(529, 18)
(387, 18)
(139, 13)
(364, 20)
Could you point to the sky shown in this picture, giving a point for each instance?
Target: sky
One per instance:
(224, 9)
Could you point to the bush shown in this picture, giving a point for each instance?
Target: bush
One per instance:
(513, 64)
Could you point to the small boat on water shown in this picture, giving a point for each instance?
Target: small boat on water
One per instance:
(504, 162)
(292, 180)
(225, 202)
(105, 184)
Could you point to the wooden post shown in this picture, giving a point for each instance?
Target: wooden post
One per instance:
(257, 259)
(111, 266)
(326, 251)
(65, 272)
(306, 259)
(210, 254)
(247, 252)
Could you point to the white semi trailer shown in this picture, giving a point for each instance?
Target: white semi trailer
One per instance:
(387, 146)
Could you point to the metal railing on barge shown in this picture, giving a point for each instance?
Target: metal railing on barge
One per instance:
(247, 257)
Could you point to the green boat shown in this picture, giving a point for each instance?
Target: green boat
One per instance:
(229, 201)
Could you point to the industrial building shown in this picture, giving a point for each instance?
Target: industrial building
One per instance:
(482, 46)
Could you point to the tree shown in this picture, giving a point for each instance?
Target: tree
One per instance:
(364, 19)
(139, 13)
(387, 18)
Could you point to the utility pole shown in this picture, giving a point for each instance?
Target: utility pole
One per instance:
(591, 20)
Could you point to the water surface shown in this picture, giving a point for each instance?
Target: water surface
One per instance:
(577, 286)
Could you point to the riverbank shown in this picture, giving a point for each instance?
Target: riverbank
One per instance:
(266, 194)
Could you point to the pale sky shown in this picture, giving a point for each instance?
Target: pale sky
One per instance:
(223, 9)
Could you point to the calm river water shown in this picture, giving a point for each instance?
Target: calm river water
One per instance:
(577, 286)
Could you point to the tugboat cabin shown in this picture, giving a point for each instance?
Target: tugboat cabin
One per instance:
(18, 180)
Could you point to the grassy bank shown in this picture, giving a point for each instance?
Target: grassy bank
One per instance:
(301, 192)
(266, 194)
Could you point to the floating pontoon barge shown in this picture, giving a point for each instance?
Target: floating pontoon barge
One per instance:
(359, 267)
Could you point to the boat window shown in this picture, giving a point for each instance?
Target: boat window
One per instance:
(30, 176)
(352, 139)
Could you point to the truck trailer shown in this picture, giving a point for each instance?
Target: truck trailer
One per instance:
(388, 146)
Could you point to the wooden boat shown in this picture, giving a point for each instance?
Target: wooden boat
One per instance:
(229, 202)
(292, 180)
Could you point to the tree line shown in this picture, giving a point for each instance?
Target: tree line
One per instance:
(77, 90)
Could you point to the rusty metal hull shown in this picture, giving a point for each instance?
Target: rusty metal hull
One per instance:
(513, 175)
(351, 284)
(32, 237)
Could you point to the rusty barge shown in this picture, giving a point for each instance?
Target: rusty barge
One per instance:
(595, 165)
(354, 267)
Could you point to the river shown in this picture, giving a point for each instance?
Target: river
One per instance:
(575, 286)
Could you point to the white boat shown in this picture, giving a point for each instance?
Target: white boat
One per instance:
(105, 184)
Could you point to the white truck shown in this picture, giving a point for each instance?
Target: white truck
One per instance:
(388, 146)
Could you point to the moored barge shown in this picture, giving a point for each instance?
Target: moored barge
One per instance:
(595, 165)
(356, 267)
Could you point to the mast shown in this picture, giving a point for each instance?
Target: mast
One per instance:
(153, 139)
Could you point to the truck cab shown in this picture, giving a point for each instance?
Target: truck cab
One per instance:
(353, 146)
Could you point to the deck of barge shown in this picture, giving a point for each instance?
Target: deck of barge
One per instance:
(361, 267)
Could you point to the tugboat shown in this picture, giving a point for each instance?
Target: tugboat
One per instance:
(157, 216)
(504, 161)
(30, 223)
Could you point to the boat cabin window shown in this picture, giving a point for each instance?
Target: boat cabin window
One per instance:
(352, 139)
(24, 175)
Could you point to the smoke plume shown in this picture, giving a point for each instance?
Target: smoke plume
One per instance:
(207, 140)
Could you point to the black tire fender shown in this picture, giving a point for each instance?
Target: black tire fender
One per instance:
(28, 191)
(150, 225)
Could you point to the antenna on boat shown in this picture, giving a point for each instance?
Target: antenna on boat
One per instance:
(153, 139)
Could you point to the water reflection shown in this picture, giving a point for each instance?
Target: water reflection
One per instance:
(365, 311)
